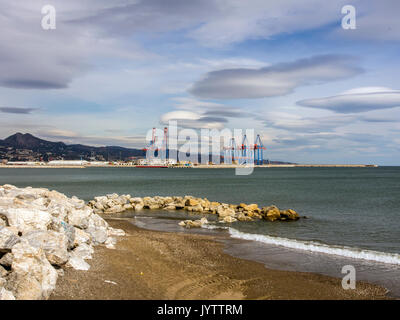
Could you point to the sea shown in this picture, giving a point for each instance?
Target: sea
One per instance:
(353, 214)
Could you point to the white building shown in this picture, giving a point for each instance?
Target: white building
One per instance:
(68, 162)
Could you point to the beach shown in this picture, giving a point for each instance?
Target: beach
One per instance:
(163, 265)
(351, 221)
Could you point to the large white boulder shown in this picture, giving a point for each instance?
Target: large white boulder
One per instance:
(81, 237)
(7, 239)
(32, 276)
(83, 251)
(54, 244)
(98, 229)
(6, 260)
(80, 217)
(4, 293)
(28, 219)
(78, 263)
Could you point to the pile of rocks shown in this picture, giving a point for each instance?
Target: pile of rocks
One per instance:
(41, 233)
(193, 224)
(227, 213)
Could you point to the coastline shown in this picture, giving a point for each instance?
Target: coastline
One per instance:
(199, 166)
(150, 264)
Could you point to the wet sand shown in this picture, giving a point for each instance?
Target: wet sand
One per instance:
(160, 265)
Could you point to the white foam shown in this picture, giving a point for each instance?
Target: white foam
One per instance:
(214, 227)
(349, 252)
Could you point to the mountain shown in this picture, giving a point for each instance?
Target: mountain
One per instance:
(26, 147)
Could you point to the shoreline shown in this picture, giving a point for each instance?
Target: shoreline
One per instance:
(150, 264)
(200, 166)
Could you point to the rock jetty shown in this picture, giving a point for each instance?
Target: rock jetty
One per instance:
(227, 213)
(42, 232)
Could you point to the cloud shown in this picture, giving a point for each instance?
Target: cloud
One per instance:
(275, 80)
(357, 100)
(194, 120)
(33, 58)
(214, 23)
(297, 123)
(197, 114)
(17, 110)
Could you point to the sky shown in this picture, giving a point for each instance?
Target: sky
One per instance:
(112, 70)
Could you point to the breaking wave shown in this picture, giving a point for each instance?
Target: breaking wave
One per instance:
(311, 246)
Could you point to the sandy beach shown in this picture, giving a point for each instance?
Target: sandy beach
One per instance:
(160, 265)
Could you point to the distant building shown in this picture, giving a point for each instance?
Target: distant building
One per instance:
(68, 162)
(22, 163)
(98, 163)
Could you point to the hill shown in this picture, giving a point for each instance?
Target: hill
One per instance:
(26, 147)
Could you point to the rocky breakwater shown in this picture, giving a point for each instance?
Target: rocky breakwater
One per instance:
(227, 213)
(43, 232)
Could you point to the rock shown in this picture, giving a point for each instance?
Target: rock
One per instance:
(168, 200)
(97, 228)
(101, 199)
(150, 203)
(136, 200)
(70, 233)
(81, 237)
(80, 217)
(242, 217)
(252, 207)
(60, 272)
(110, 243)
(193, 224)
(3, 272)
(32, 275)
(127, 207)
(6, 295)
(28, 219)
(6, 260)
(170, 207)
(224, 212)
(253, 214)
(114, 209)
(115, 232)
(179, 203)
(289, 214)
(7, 239)
(77, 263)
(229, 219)
(191, 202)
(203, 220)
(84, 251)
(197, 208)
(54, 244)
(138, 206)
(213, 207)
(99, 205)
(271, 213)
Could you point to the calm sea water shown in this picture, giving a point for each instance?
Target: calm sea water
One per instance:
(353, 212)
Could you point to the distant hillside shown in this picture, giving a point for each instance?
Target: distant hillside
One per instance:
(17, 147)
